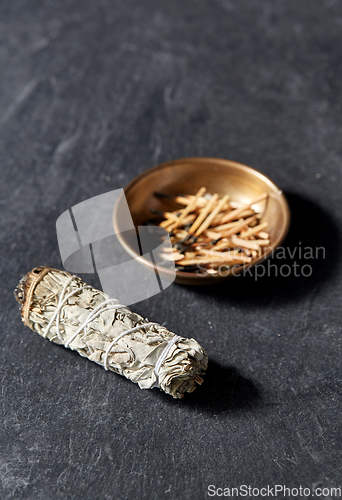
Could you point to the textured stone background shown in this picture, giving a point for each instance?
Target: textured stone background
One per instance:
(93, 93)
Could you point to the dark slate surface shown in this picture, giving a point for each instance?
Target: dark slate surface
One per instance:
(93, 93)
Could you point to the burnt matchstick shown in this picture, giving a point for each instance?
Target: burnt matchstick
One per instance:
(213, 214)
(158, 212)
(201, 202)
(223, 227)
(163, 196)
(187, 269)
(238, 227)
(169, 223)
(254, 230)
(185, 239)
(169, 217)
(190, 207)
(218, 219)
(180, 248)
(166, 215)
(203, 213)
(183, 244)
(237, 212)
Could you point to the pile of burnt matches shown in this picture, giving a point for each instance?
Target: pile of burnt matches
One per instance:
(208, 232)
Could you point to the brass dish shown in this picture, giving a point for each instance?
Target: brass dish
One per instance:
(187, 176)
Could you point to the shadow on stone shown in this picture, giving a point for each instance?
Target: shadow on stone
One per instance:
(223, 390)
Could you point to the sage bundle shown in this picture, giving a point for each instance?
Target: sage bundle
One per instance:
(64, 309)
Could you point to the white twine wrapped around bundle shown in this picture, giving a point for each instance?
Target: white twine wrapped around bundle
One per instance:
(67, 311)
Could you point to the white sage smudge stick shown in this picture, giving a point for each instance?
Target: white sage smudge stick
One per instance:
(64, 309)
